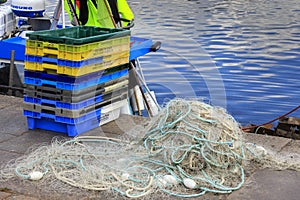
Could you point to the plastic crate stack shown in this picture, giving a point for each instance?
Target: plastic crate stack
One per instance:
(76, 78)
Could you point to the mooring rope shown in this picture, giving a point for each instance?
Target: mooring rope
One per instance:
(271, 121)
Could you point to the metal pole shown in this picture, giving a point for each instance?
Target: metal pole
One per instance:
(56, 15)
(141, 89)
(73, 12)
(110, 14)
(63, 14)
(11, 71)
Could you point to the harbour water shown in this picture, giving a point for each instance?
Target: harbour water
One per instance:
(242, 55)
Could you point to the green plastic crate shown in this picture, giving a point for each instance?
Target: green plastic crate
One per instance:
(77, 52)
(77, 35)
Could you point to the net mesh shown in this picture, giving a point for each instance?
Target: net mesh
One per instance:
(188, 149)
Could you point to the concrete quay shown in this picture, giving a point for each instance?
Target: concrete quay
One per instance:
(16, 139)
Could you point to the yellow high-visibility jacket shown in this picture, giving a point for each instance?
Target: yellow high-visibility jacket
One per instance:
(125, 11)
(101, 16)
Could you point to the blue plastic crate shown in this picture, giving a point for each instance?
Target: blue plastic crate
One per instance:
(69, 129)
(62, 119)
(72, 79)
(74, 86)
(64, 105)
(61, 62)
(75, 113)
(62, 78)
(77, 95)
(62, 125)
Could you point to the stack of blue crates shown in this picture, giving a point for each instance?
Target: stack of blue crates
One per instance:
(76, 78)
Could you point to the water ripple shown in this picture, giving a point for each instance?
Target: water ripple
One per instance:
(251, 46)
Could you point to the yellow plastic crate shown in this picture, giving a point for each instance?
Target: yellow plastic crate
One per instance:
(109, 62)
(77, 52)
(97, 52)
(79, 56)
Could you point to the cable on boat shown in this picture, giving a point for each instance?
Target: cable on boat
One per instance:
(271, 121)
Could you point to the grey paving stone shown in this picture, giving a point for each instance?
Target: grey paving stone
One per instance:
(12, 120)
(4, 195)
(21, 197)
(123, 124)
(6, 156)
(5, 136)
(22, 143)
(269, 184)
(272, 143)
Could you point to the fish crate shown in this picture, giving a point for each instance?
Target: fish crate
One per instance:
(72, 79)
(75, 126)
(61, 109)
(78, 35)
(59, 81)
(75, 68)
(74, 96)
(78, 52)
(76, 105)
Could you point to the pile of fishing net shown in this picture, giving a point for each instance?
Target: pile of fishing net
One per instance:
(188, 149)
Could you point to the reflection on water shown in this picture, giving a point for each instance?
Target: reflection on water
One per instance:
(239, 54)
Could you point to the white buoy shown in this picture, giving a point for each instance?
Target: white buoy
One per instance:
(125, 176)
(261, 151)
(189, 183)
(35, 175)
(162, 182)
(258, 150)
(237, 144)
(236, 170)
(170, 179)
